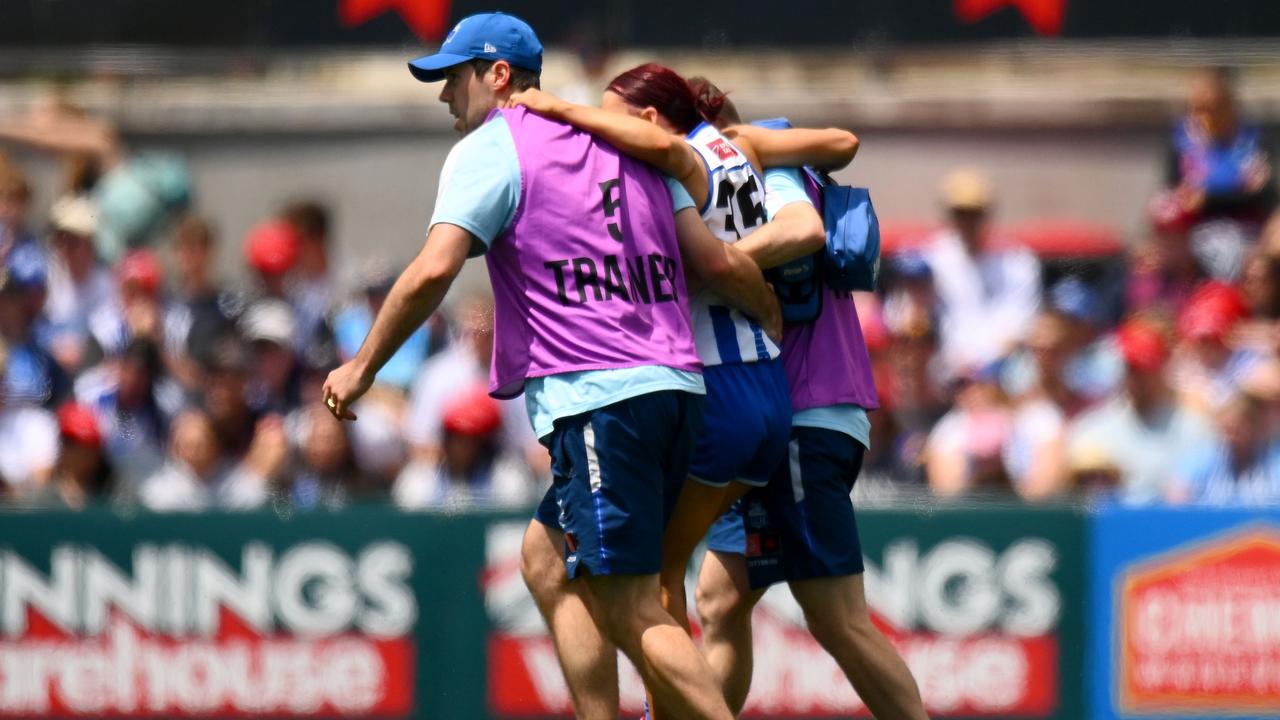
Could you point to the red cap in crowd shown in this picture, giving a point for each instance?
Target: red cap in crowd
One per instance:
(142, 269)
(472, 413)
(1211, 311)
(1143, 345)
(271, 247)
(77, 423)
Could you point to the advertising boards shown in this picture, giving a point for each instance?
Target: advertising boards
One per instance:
(317, 615)
(1185, 613)
(977, 601)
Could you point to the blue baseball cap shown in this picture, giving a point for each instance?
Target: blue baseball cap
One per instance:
(1073, 298)
(486, 36)
(911, 266)
(25, 268)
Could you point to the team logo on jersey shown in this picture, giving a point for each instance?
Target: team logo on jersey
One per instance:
(722, 148)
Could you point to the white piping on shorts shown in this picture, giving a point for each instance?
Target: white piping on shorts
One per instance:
(593, 461)
(797, 487)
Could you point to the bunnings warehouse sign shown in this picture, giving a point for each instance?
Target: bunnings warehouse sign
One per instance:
(983, 605)
(376, 613)
(311, 630)
(164, 616)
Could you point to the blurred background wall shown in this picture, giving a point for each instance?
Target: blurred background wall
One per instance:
(1066, 103)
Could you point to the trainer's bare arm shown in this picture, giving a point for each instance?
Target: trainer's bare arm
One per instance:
(416, 294)
(632, 136)
(728, 271)
(794, 232)
(829, 148)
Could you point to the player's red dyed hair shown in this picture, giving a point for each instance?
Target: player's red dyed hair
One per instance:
(660, 87)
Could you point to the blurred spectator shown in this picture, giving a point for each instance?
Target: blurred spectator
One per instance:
(1269, 242)
(82, 473)
(590, 42)
(1240, 468)
(196, 318)
(195, 476)
(1163, 272)
(32, 376)
(910, 297)
(269, 328)
(326, 472)
(1264, 383)
(226, 377)
(311, 291)
(986, 443)
(254, 443)
(1260, 285)
(1039, 366)
(463, 363)
(15, 205)
(136, 196)
(133, 403)
(988, 293)
(1061, 359)
(271, 251)
(1218, 164)
(28, 443)
(965, 449)
(139, 313)
(1207, 370)
(315, 362)
(910, 383)
(1134, 437)
(353, 323)
(1221, 175)
(54, 124)
(79, 284)
(475, 466)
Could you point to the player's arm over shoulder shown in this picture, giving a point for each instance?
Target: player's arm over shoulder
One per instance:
(794, 229)
(829, 148)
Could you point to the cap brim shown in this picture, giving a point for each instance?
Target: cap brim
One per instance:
(430, 68)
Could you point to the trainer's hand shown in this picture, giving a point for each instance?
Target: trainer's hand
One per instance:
(343, 387)
(537, 101)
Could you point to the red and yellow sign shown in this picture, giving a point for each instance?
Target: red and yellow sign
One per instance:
(1199, 628)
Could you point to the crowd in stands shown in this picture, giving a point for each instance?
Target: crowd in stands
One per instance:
(1154, 380)
(133, 374)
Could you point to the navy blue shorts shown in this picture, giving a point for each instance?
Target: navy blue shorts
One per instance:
(744, 427)
(617, 473)
(802, 525)
(728, 534)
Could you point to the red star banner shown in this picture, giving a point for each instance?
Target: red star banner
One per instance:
(428, 19)
(1044, 16)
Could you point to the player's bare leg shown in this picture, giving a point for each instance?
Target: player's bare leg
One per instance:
(724, 603)
(588, 659)
(698, 507)
(674, 672)
(836, 611)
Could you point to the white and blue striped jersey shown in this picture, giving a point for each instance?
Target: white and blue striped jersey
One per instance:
(734, 207)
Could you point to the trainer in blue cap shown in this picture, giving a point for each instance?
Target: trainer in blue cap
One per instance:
(486, 36)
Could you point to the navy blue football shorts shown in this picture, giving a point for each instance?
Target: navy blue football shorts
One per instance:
(802, 525)
(745, 424)
(617, 472)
